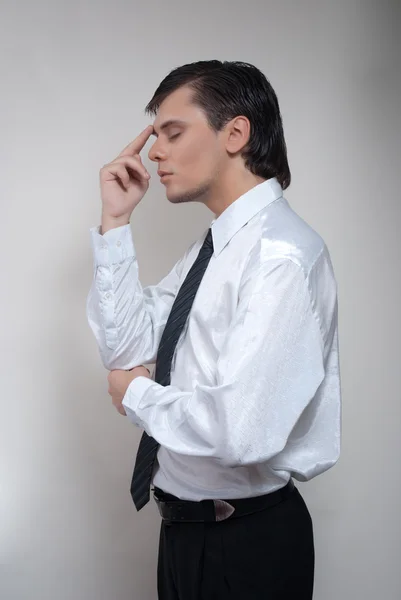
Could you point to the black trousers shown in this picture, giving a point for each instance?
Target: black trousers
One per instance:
(268, 555)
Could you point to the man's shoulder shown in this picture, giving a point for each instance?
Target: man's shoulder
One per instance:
(282, 234)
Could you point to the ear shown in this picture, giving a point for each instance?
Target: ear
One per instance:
(238, 132)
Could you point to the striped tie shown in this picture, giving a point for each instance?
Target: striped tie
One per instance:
(148, 446)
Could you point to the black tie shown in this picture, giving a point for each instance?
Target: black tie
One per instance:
(148, 446)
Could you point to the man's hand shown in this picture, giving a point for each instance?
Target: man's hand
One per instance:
(118, 384)
(125, 181)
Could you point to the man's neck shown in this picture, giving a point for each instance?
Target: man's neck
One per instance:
(230, 188)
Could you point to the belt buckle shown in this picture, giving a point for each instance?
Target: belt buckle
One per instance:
(222, 510)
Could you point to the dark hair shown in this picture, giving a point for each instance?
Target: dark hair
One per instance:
(225, 90)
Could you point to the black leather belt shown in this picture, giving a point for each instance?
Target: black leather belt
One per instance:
(172, 508)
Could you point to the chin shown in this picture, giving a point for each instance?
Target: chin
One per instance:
(194, 195)
(178, 196)
(174, 197)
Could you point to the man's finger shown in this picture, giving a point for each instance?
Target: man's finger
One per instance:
(117, 403)
(138, 143)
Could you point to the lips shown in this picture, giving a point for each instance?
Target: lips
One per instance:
(164, 177)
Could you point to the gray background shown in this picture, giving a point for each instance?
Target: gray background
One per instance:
(75, 77)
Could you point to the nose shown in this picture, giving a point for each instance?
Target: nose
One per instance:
(156, 152)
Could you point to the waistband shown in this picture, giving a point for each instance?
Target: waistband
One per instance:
(172, 508)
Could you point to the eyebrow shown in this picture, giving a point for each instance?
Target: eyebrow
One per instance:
(168, 124)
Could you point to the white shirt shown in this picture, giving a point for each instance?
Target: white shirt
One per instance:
(255, 383)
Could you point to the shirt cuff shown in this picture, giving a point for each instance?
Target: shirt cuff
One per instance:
(114, 246)
(133, 397)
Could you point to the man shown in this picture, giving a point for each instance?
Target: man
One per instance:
(243, 331)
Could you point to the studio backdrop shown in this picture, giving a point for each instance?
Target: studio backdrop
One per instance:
(75, 78)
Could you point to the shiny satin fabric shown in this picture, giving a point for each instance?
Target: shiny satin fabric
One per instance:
(255, 394)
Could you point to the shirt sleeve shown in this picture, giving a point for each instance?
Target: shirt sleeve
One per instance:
(126, 319)
(269, 369)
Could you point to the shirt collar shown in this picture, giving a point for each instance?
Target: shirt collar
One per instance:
(235, 216)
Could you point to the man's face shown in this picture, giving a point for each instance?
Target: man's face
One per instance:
(187, 148)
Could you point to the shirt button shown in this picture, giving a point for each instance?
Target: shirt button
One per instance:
(108, 296)
(118, 243)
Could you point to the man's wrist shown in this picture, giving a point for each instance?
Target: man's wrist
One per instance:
(108, 223)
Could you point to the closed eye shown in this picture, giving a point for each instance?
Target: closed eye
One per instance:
(172, 137)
